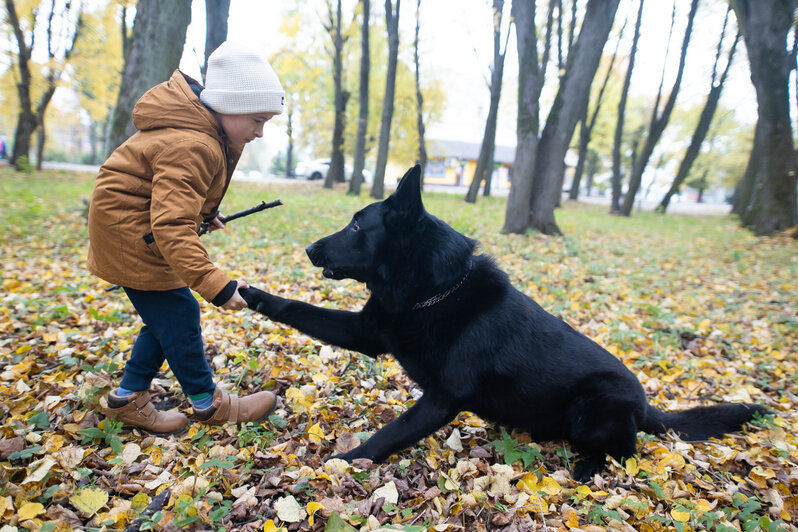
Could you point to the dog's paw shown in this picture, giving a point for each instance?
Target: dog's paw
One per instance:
(586, 468)
(254, 298)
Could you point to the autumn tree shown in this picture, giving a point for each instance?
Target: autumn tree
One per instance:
(216, 14)
(36, 84)
(704, 121)
(531, 78)
(335, 174)
(363, 101)
(766, 197)
(485, 160)
(617, 178)
(392, 24)
(96, 67)
(658, 121)
(588, 124)
(159, 31)
(545, 177)
(422, 144)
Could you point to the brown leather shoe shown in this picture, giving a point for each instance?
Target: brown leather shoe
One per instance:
(231, 408)
(138, 411)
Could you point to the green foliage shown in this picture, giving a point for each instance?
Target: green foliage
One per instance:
(514, 451)
(107, 433)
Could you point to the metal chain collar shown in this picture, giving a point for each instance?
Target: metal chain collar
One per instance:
(443, 295)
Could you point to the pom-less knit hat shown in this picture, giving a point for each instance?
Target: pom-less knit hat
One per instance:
(239, 81)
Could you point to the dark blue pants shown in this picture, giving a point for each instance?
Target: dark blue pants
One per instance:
(171, 332)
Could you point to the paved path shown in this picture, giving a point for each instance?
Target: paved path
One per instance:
(683, 207)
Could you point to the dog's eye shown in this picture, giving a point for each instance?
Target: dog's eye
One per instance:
(355, 226)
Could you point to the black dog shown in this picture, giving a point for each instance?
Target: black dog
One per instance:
(473, 342)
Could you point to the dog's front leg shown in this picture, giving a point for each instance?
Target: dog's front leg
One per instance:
(430, 413)
(349, 330)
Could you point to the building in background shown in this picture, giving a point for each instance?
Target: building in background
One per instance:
(453, 162)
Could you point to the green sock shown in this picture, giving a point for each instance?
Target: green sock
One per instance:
(201, 401)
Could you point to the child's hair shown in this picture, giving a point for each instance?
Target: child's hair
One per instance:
(239, 81)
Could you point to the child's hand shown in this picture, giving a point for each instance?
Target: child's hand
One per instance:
(237, 302)
(216, 223)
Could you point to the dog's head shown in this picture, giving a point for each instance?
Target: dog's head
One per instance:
(394, 243)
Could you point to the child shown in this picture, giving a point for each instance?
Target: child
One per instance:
(149, 200)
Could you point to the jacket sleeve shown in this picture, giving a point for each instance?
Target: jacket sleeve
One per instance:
(182, 175)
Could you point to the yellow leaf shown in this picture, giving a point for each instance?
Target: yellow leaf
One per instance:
(89, 500)
(139, 502)
(312, 508)
(631, 467)
(316, 433)
(29, 510)
(571, 521)
(269, 526)
(703, 505)
(680, 516)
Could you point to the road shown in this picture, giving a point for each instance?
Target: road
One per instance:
(676, 207)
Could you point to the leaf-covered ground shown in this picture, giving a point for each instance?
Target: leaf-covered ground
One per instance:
(699, 309)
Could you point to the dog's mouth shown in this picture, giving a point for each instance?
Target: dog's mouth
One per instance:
(331, 273)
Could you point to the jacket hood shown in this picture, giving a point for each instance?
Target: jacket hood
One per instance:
(172, 104)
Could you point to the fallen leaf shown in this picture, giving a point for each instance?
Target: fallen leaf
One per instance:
(289, 510)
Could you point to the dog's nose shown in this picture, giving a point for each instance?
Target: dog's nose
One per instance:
(309, 250)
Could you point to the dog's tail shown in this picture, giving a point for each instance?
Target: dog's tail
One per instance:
(703, 422)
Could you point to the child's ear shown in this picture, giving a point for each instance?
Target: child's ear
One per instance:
(404, 206)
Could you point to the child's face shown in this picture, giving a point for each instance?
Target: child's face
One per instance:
(241, 129)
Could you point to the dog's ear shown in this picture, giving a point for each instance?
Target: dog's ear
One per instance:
(405, 205)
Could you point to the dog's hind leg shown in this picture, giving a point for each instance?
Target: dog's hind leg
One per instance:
(430, 413)
(597, 431)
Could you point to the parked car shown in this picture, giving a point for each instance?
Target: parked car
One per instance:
(318, 168)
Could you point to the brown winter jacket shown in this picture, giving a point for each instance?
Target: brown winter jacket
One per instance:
(153, 192)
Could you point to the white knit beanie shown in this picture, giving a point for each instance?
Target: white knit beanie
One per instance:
(239, 81)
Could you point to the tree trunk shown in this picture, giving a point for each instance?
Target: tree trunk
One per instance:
(765, 25)
(745, 187)
(531, 79)
(336, 172)
(704, 121)
(422, 145)
(485, 161)
(617, 178)
(363, 98)
(216, 14)
(658, 123)
(586, 130)
(28, 118)
(289, 153)
(392, 20)
(159, 32)
(568, 104)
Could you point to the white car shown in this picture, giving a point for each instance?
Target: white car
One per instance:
(318, 168)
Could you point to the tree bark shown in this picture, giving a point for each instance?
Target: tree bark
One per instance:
(289, 153)
(363, 117)
(392, 20)
(700, 134)
(617, 178)
(28, 118)
(772, 204)
(568, 104)
(530, 83)
(336, 172)
(159, 32)
(485, 161)
(422, 145)
(586, 130)
(216, 14)
(658, 123)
